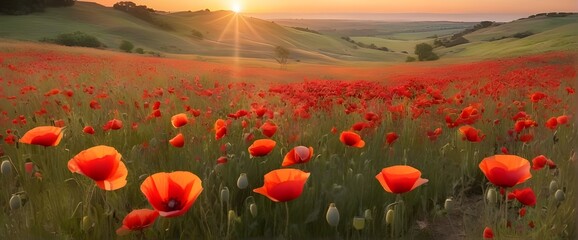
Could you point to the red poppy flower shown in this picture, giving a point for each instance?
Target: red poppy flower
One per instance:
(525, 196)
(179, 120)
(505, 150)
(400, 179)
(351, 139)
(172, 194)
(268, 129)
(299, 154)
(506, 170)
(552, 123)
(178, 141)
(283, 185)
(391, 137)
(113, 124)
(43, 136)
(526, 138)
(88, 130)
(535, 97)
(433, 135)
(488, 233)
(522, 212)
(562, 119)
(471, 134)
(539, 162)
(222, 160)
(261, 147)
(59, 123)
(220, 129)
(102, 164)
(137, 220)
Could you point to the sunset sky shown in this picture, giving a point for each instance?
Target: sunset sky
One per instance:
(362, 6)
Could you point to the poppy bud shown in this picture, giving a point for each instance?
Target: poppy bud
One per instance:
(553, 186)
(225, 194)
(332, 215)
(448, 204)
(242, 181)
(253, 209)
(232, 216)
(86, 223)
(6, 168)
(358, 223)
(29, 167)
(15, 202)
(389, 216)
(367, 214)
(492, 196)
(560, 195)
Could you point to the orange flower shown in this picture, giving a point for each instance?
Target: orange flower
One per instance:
(506, 170)
(299, 154)
(351, 139)
(172, 194)
(261, 147)
(268, 129)
(179, 120)
(562, 119)
(283, 185)
(178, 141)
(471, 134)
(102, 164)
(137, 220)
(43, 136)
(220, 129)
(400, 179)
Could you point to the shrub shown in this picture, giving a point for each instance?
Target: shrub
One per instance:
(77, 38)
(523, 34)
(410, 59)
(126, 46)
(197, 34)
(425, 52)
(139, 51)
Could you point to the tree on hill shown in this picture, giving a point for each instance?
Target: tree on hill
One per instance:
(126, 46)
(281, 55)
(425, 52)
(21, 7)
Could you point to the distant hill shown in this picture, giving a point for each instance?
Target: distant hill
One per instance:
(524, 36)
(224, 33)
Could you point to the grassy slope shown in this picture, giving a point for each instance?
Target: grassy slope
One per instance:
(255, 39)
(550, 34)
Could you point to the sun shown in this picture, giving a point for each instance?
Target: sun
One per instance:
(236, 7)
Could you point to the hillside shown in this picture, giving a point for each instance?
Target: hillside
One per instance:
(224, 33)
(546, 34)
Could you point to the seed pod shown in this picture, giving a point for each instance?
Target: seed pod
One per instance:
(553, 186)
(242, 181)
(448, 204)
(492, 196)
(358, 223)
(253, 209)
(332, 215)
(560, 195)
(225, 194)
(15, 202)
(6, 168)
(232, 216)
(389, 216)
(367, 214)
(86, 223)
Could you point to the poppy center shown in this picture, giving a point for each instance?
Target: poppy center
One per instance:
(173, 204)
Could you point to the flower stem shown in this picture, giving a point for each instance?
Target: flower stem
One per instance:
(287, 219)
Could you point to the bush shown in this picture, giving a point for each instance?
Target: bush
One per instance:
(197, 34)
(77, 38)
(425, 52)
(410, 59)
(523, 34)
(139, 51)
(126, 46)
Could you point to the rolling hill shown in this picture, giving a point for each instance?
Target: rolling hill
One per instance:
(226, 34)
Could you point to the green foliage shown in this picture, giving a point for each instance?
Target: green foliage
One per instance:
(142, 12)
(425, 52)
(197, 34)
(139, 51)
(281, 55)
(21, 7)
(126, 46)
(307, 30)
(410, 59)
(77, 38)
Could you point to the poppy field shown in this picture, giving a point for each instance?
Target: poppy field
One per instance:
(114, 146)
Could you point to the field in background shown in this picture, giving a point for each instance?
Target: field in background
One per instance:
(305, 101)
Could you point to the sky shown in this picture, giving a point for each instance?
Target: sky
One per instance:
(352, 8)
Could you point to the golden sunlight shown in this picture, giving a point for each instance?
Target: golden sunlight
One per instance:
(236, 6)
